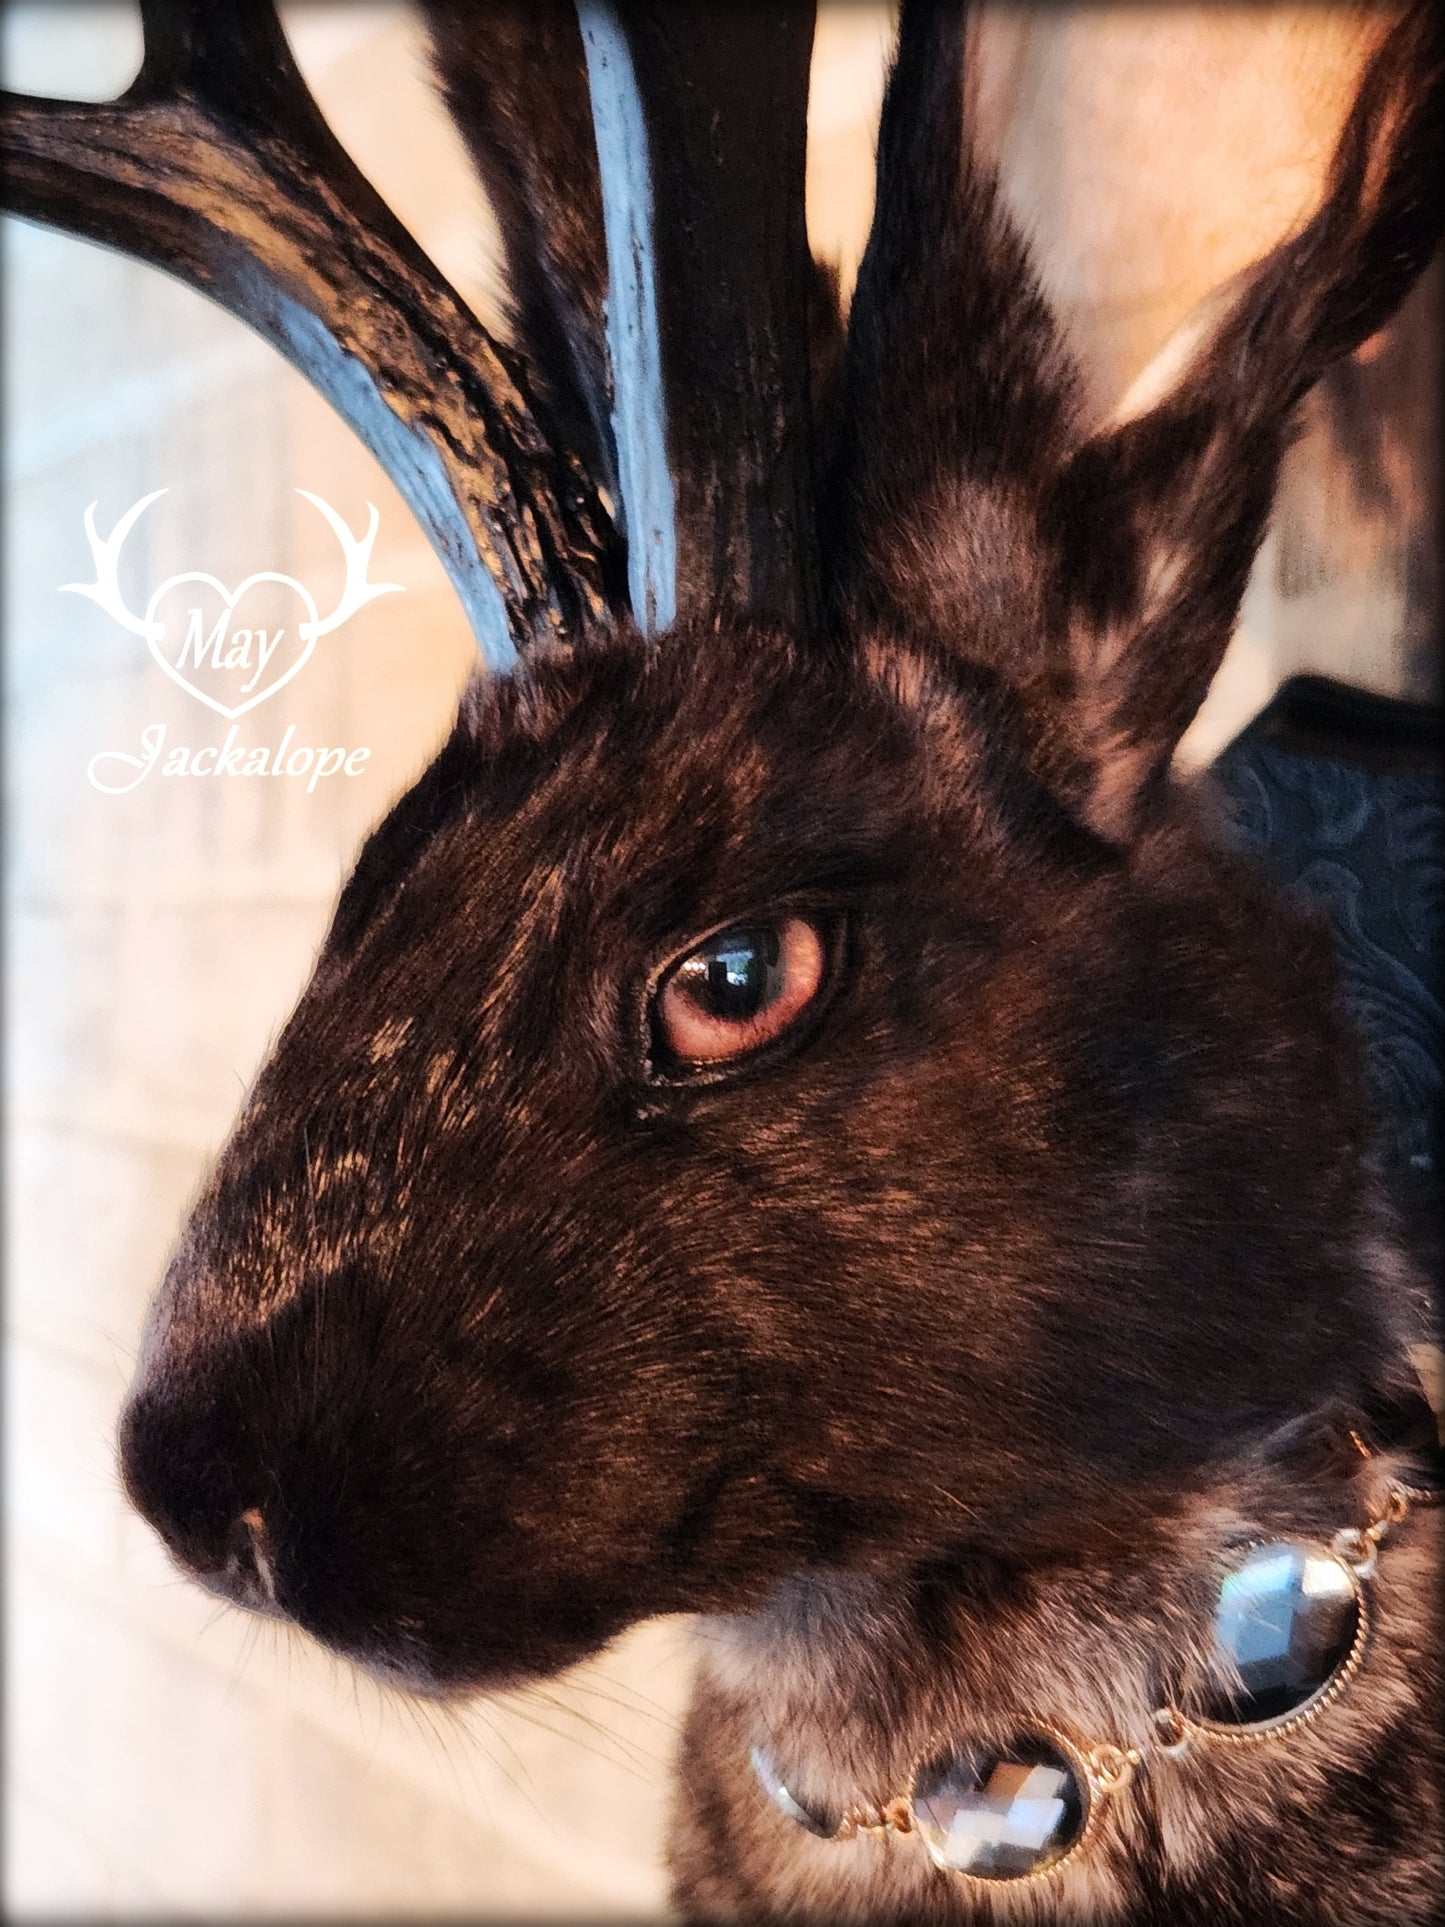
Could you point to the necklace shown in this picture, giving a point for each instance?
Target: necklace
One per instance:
(1291, 1623)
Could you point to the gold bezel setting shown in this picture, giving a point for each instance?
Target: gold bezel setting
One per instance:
(1091, 1793)
(1258, 1732)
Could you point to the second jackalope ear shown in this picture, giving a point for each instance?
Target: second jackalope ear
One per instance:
(1155, 520)
(647, 166)
(1096, 575)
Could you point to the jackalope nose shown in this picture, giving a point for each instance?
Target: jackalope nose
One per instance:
(181, 1478)
(248, 1577)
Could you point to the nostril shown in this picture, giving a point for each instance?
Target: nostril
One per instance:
(189, 1471)
(249, 1577)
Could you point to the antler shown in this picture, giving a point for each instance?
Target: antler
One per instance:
(720, 101)
(647, 165)
(218, 166)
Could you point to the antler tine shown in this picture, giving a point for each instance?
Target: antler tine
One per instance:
(701, 121)
(218, 166)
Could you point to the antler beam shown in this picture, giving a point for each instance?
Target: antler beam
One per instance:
(723, 95)
(218, 166)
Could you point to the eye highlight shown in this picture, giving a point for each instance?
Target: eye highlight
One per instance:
(739, 990)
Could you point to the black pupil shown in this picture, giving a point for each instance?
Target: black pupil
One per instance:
(735, 976)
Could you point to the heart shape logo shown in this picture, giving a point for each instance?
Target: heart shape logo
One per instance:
(200, 632)
(191, 624)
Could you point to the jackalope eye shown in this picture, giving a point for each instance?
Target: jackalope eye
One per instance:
(738, 990)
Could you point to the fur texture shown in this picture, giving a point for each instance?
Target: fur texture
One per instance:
(940, 1353)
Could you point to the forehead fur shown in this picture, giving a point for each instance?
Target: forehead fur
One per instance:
(710, 725)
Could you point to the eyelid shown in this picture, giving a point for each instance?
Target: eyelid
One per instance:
(696, 1036)
(830, 925)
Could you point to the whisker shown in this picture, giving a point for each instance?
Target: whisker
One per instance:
(630, 1758)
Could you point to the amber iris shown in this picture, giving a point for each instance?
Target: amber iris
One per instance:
(739, 990)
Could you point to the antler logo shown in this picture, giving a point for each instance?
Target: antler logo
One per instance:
(191, 623)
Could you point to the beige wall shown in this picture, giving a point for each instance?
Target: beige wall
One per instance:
(164, 1759)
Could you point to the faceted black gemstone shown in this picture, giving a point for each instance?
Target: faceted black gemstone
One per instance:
(1287, 1620)
(814, 1818)
(999, 1813)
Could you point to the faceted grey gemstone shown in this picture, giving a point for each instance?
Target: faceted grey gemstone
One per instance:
(806, 1815)
(1001, 1813)
(1286, 1622)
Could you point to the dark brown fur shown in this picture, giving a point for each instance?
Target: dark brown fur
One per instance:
(941, 1354)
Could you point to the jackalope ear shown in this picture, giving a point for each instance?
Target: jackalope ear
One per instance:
(1156, 519)
(1100, 576)
(647, 165)
(958, 395)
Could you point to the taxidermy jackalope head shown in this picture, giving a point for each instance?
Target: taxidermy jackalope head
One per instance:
(788, 1088)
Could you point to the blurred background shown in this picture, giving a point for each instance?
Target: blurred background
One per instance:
(166, 1759)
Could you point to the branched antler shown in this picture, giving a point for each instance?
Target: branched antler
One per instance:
(218, 166)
